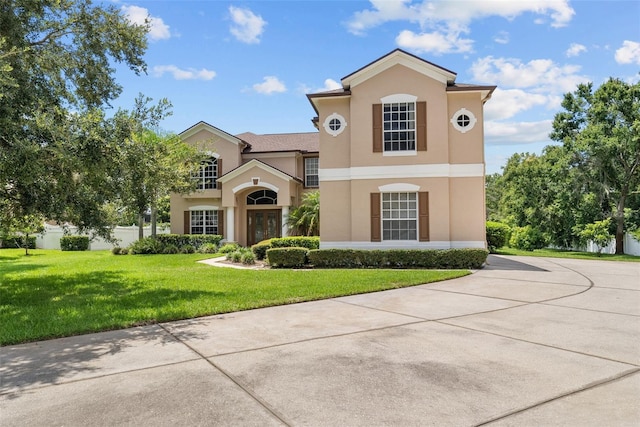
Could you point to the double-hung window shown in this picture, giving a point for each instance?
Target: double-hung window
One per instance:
(399, 216)
(204, 222)
(399, 126)
(207, 176)
(311, 172)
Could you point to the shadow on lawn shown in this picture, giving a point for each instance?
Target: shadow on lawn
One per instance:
(81, 303)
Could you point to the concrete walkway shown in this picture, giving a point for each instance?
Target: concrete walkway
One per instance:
(525, 341)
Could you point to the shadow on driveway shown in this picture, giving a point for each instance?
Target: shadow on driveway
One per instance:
(501, 263)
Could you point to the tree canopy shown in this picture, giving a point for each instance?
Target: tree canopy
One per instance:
(57, 71)
(593, 175)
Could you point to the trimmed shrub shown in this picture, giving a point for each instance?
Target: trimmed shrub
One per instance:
(195, 240)
(498, 235)
(248, 258)
(260, 249)
(170, 250)
(236, 256)
(17, 242)
(287, 257)
(527, 238)
(116, 250)
(187, 249)
(74, 243)
(398, 258)
(229, 248)
(296, 242)
(208, 248)
(124, 251)
(145, 246)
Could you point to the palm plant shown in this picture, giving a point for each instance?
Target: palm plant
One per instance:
(305, 219)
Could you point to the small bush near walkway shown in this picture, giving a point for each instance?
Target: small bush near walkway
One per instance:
(287, 257)
(260, 249)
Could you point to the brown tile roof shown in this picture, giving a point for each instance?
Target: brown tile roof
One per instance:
(303, 142)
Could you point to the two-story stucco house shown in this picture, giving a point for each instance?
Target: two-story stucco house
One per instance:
(398, 158)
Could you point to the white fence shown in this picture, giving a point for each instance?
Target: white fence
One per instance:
(50, 239)
(631, 246)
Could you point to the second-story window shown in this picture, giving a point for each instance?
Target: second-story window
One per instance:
(399, 126)
(311, 172)
(207, 175)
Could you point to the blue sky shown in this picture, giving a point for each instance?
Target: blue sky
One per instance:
(246, 66)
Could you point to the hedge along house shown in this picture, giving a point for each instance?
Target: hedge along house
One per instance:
(398, 159)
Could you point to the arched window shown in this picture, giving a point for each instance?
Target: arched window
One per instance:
(262, 197)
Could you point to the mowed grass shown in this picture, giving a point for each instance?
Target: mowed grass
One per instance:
(54, 294)
(559, 253)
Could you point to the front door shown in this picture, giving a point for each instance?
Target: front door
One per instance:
(262, 225)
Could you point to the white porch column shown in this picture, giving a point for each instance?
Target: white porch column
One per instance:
(231, 226)
(285, 214)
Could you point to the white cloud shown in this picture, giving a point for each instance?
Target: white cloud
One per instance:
(629, 53)
(247, 26)
(180, 74)
(330, 84)
(507, 103)
(502, 37)
(435, 42)
(576, 49)
(138, 15)
(499, 133)
(271, 84)
(455, 14)
(539, 75)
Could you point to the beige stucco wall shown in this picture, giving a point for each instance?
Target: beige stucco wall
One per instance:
(287, 162)
(467, 209)
(466, 147)
(228, 151)
(335, 211)
(398, 80)
(336, 151)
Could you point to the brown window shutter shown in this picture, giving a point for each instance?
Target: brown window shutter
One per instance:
(375, 218)
(421, 126)
(221, 222)
(219, 161)
(377, 128)
(187, 222)
(423, 216)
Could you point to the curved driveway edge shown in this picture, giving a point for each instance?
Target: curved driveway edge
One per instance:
(523, 341)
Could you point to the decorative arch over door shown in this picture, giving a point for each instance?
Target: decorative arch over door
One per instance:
(262, 197)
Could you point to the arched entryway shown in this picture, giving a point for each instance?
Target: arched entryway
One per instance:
(264, 217)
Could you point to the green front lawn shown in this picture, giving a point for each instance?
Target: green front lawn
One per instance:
(559, 253)
(54, 294)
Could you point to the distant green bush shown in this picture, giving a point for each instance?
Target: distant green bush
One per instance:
(527, 238)
(296, 242)
(287, 257)
(170, 249)
(498, 235)
(17, 242)
(74, 243)
(398, 258)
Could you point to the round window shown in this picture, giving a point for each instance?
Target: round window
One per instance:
(463, 120)
(334, 124)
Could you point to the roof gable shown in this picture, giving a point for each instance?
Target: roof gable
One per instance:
(200, 126)
(254, 163)
(399, 56)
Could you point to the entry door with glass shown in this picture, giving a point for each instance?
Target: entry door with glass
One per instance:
(262, 225)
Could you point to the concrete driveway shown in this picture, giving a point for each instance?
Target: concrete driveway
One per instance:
(525, 341)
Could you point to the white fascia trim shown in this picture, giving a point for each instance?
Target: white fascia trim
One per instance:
(402, 59)
(250, 184)
(205, 126)
(444, 244)
(212, 154)
(254, 163)
(270, 155)
(441, 170)
(399, 187)
(204, 208)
